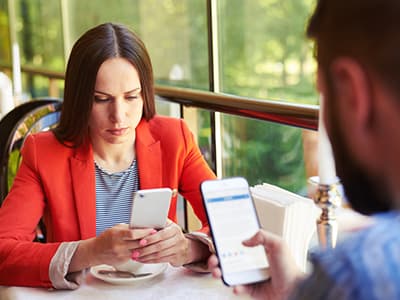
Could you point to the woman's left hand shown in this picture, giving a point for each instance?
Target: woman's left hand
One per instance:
(167, 245)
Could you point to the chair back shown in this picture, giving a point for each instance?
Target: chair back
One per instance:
(29, 117)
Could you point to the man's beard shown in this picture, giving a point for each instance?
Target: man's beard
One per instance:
(366, 193)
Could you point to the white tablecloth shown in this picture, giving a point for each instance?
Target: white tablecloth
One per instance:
(174, 283)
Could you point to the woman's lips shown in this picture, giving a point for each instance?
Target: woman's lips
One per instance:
(118, 131)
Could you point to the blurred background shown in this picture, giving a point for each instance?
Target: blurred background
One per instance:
(255, 49)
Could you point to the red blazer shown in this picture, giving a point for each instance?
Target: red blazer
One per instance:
(58, 183)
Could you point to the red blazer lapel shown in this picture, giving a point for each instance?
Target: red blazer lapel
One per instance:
(84, 190)
(149, 159)
(148, 156)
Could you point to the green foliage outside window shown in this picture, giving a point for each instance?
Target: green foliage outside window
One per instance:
(263, 54)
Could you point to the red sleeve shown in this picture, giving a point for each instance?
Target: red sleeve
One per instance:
(195, 171)
(23, 262)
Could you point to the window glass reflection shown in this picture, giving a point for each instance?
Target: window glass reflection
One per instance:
(269, 58)
(174, 32)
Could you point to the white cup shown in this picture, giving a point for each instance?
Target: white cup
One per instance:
(133, 266)
(129, 266)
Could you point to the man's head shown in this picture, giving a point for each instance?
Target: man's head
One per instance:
(358, 59)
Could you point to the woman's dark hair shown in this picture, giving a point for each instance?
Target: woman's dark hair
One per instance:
(95, 46)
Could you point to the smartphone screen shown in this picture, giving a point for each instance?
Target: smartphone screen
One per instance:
(233, 218)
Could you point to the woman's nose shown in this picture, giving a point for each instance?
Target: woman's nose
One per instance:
(117, 111)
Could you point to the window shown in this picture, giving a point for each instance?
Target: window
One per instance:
(263, 53)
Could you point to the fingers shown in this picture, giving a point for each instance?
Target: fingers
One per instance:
(216, 273)
(283, 269)
(120, 240)
(165, 244)
(241, 289)
(134, 239)
(123, 231)
(213, 266)
(166, 255)
(172, 255)
(270, 241)
(136, 234)
(170, 231)
(212, 261)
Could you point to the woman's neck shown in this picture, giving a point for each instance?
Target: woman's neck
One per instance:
(114, 158)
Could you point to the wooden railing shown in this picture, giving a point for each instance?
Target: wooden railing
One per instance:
(299, 115)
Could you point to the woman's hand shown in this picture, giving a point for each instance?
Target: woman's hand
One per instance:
(282, 268)
(115, 245)
(170, 245)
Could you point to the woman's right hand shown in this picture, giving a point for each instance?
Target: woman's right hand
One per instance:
(111, 247)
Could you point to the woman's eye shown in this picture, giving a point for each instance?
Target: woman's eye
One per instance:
(101, 99)
(132, 97)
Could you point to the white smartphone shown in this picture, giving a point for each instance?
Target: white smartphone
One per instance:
(233, 218)
(150, 208)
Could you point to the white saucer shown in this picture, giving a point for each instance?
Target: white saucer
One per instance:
(152, 269)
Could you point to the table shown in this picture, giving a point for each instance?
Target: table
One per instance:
(174, 283)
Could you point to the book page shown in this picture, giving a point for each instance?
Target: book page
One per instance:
(288, 215)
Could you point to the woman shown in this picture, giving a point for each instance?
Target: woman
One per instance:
(80, 177)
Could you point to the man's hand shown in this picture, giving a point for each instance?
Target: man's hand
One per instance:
(282, 269)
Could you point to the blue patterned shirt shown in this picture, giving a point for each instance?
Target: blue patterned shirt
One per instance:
(114, 196)
(364, 266)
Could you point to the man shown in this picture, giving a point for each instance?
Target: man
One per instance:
(357, 50)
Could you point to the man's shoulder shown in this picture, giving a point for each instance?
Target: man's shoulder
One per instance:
(365, 262)
(383, 232)
(367, 243)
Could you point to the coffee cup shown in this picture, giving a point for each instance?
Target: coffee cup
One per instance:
(136, 267)
(130, 265)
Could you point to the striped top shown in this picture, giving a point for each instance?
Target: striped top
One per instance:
(364, 266)
(114, 194)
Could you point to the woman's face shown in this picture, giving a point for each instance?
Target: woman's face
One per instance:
(118, 104)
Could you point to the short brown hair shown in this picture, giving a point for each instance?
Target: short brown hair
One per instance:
(95, 46)
(365, 30)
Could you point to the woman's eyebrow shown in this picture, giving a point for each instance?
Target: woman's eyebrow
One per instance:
(134, 90)
(128, 92)
(103, 93)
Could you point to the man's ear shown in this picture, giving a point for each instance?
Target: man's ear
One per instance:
(354, 103)
(353, 91)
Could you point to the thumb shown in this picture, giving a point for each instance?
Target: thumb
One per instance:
(269, 240)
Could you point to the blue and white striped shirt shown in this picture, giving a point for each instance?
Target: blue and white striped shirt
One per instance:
(114, 196)
(364, 266)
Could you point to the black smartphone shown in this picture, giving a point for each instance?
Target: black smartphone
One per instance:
(233, 218)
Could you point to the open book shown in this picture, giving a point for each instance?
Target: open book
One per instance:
(288, 215)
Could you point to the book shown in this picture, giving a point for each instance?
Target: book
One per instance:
(287, 215)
